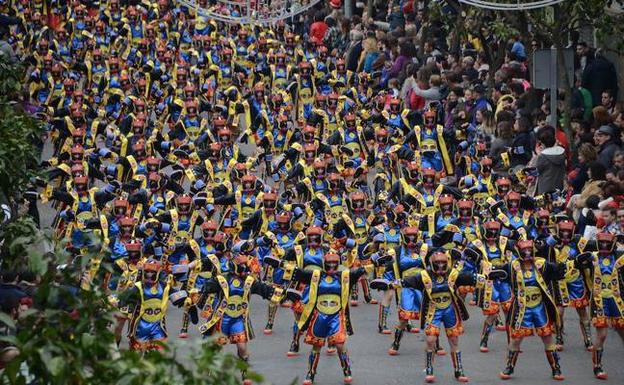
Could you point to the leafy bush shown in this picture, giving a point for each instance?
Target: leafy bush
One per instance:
(20, 134)
(65, 338)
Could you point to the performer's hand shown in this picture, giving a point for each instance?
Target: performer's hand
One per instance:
(293, 295)
(584, 259)
(272, 261)
(380, 284)
(381, 260)
(471, 254)
(497, 274)
(178, 298)
(267, 241)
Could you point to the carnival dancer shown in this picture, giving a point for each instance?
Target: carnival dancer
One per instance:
(146, 305)
(533, 309)
(310, 258)
(496, 296)
(326, 313)
(408, 261)
(607, 286)
(573, 291)
(441, 306)
(230, 320)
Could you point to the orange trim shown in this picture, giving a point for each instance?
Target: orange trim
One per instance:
(455, 331)
(543, 331)
(496, 306)
(463, 290)
(405, 315)
(147, 345)
(605, 322)
(521, 332)
(432, 331)
(579, 302)
(493, 309)
(238, 338)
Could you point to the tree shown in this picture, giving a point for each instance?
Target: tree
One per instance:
(554, 24)
(20, 134)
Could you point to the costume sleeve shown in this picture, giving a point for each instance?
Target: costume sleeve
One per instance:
(554, 271)
(262, 289)
(129, 299)
(413, 281)
(226, 200)
(355, 274)
(303, 276)
(63, 196)
(466, 279)
(211, 286)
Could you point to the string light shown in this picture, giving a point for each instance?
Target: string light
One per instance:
(251, 11)
(517, 6)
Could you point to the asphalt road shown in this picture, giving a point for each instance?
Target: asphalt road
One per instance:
(371, 364)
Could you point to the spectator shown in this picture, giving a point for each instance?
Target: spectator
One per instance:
(550, 163)
(607, 147)
(501, 143)
(596, 175)
(600, 75)
(522, 146)
(518, 48)
(584, 55)
(8, 352)
(578, 177)
(620, 220)
(581, 100)
(354, 51)
(486, 125)
(607, 101)
(318, 28)
(481, 102)
(600, 116)
(609, 218)
(332, 36)
(405, 54)
(431, 94)
(618, 121)
(430, 52)
(469, 73)
(9, 288)
(370, 54)
(618, 163)
(395, 17)
(344, 37)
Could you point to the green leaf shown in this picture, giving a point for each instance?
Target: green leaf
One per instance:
(7, 320)
(55, 366)
(87, 340)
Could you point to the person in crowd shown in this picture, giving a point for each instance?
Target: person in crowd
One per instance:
(606, 141)
(550, 163)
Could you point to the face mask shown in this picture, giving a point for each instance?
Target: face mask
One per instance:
(440, 267)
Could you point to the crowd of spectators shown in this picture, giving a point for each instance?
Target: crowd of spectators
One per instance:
(412, 55)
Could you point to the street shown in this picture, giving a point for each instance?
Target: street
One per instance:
(372, 365)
